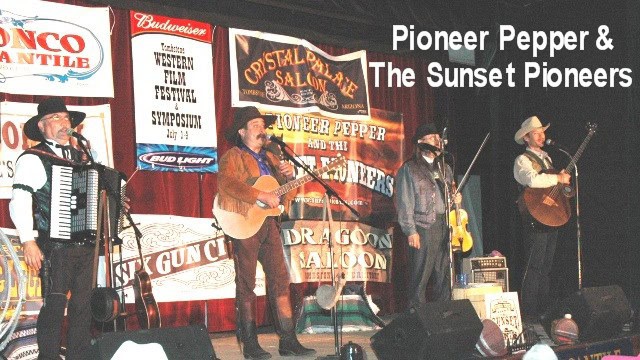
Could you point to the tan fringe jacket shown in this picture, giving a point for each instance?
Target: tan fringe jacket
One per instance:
(237, 172)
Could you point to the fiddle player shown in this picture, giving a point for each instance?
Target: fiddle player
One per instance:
(420, 204)
(539, 240)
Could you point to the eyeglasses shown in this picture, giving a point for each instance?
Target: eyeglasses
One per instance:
(56, 117)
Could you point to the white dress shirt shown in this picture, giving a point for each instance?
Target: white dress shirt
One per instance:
(29, 172)
(526, 175)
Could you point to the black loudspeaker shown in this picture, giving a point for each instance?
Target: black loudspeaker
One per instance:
(437, 330)
(600, 312)
(188, 342)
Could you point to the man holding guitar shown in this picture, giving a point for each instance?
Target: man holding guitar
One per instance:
(532, 169)
(239, 169)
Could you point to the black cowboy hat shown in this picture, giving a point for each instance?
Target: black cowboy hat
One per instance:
(242, 117)
(424, 129)
(50, 106)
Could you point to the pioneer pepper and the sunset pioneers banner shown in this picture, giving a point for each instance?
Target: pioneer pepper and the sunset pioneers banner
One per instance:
(279, 72)
(173, 93)
(48, 48)
(373, 151)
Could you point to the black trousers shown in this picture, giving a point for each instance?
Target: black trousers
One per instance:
(70, 271)
(431, 260)
(540, 244)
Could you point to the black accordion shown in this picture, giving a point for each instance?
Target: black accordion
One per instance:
(76, 199)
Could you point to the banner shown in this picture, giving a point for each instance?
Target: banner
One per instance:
(48, 48)
(280, 72)
(374, 152)
(173, 94)
(185, 258)
(360, 252)
(33, 300)
(96, 127)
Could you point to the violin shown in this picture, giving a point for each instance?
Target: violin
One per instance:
(461, 239)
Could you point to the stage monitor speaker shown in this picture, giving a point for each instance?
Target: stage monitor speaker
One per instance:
(436, 330)
(600, 312)
(187, 342)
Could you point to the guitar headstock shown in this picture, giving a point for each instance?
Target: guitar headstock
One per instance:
(592, 127)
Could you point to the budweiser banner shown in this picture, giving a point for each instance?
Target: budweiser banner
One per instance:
(373, 150)
(185, 258)
(48, 48)
(96, 127)
(358, 252)
(173, 93)
(279, 72)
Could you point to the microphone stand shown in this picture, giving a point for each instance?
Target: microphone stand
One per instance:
(329, 192)
(447, 205)
(578, 230)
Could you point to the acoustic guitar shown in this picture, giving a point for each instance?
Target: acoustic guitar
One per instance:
(550, 206)
(241, 227)
(146, 307)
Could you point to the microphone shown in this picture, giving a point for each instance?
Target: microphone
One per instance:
(445, 140)
(76, 135)
(550, 142)
(429, 147)
(276, 140)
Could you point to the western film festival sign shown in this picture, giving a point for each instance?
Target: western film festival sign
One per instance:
(173, 92)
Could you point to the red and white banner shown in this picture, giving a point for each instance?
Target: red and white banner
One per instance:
(173, 92)
(96, 127)
(48, 48)
(185, 258)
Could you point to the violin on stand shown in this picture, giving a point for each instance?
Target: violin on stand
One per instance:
(461, 239)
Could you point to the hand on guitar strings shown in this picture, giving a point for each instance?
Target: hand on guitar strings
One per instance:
(269, 198)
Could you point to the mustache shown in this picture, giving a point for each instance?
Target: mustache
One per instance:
(262, 136)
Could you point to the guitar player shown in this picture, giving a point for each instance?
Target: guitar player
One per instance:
(539, 240)
(239, 169)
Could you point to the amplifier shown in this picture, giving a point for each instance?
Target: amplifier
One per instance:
(497, 276)
(478, 263)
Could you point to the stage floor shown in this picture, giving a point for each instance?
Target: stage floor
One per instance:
(227, 348)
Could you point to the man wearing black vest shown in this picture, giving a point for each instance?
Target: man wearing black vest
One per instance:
(64, 266)
(539, 240)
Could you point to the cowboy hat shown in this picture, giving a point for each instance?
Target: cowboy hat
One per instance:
(242, 117)
(50, 106)
(424, 129)
(531, 123)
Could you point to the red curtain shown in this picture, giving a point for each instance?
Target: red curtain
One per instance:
(174, 193)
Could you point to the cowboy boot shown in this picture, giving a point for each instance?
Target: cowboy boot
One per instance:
(247, 333)
(289, 344)
(250, 347)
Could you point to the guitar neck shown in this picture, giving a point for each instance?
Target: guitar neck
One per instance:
(281, 190)
(575, 157)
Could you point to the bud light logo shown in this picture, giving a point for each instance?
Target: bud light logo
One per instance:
(177, 159)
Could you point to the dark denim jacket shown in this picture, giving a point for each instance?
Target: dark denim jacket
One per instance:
(416, 190)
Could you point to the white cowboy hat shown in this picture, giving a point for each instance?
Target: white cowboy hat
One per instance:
(528, 125)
